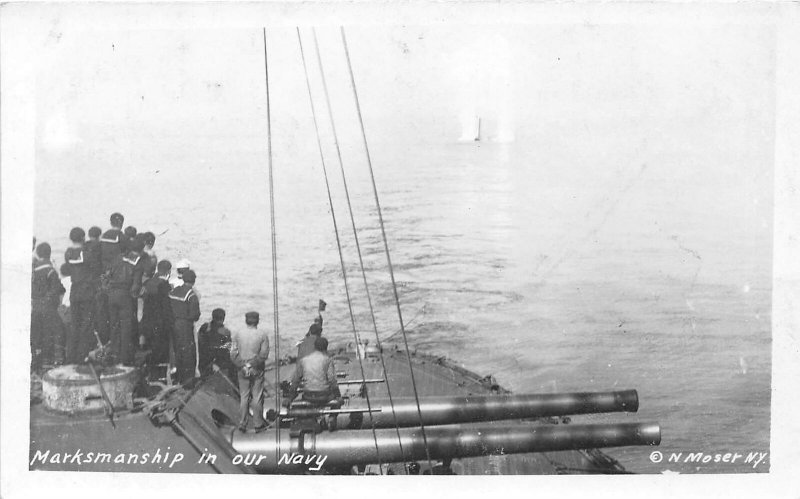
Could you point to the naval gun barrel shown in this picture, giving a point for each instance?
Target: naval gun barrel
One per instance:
(472, 409)
(355, 447)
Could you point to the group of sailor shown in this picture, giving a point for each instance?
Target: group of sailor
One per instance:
(110, 273)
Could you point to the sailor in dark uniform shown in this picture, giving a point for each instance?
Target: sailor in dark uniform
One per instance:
(124, 285)
(92, 254)
(113, 242)
(157, 320)
(151, 260)
(46, 293)
(130, 232)
(186, 309)
(93, 257)
(80, 339)
(214, 347)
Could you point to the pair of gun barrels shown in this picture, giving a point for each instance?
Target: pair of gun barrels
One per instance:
(455, 427)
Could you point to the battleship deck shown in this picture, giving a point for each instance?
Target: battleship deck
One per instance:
(438, 376)
(137, 432)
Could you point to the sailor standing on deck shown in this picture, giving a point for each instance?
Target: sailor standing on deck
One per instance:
(94, 260)
(157, 319)
(92, 253)
(180, 267)
(124, 286)
(46, 293)
(249, 352)
(80, 340)
(151, 260)
(113, 242)
(186, 309)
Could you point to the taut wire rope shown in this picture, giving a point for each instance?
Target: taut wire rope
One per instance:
(386, 246)
(274, 258)
(339, 246)
(358, 244)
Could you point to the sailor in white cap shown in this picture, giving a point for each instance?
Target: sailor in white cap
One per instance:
(176, 281)
(182, 266)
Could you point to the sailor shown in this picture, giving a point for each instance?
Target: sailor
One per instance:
(130, 232)
(80, 339)
(136, 306)
(316, 374)
(157, 319)
(186, 310)
(306, 346)
(92, 254)
(113, 241)
(151, 260)
(214, 346)
(124, 286)
(182, 266)
(46, 293)
(249, 352)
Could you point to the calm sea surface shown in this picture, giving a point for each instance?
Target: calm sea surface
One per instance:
(552, 269)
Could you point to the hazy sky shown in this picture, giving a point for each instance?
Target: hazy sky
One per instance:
(117, 85)
(112, 104)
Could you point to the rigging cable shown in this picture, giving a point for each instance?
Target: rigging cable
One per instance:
(274, 258)
(355, 237)
(386, 246)
(338, 242)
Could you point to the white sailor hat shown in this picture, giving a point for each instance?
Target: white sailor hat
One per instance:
(183, 263)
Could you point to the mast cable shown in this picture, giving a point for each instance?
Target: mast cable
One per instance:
(338, 242)
(355, 237)
(274, 258)
(386, 246)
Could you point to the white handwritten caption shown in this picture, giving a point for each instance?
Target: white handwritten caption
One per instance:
(754, 458)
(313, 462)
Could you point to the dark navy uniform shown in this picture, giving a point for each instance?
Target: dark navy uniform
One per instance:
(124, 284)
(157, 319)
(186, 309)
(214, 347)
(93, 258)
(81, 305)
(46, 324)
(113, 242)
(150, 263)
